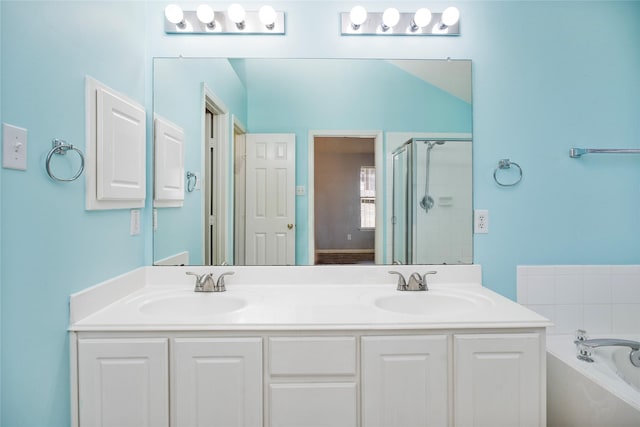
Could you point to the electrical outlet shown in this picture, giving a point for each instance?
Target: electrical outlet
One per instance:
(481, 221)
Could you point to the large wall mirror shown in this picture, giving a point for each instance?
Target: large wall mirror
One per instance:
(315, 161)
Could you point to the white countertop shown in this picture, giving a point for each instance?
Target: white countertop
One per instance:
(300, 298)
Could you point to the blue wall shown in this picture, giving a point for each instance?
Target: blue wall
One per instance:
(547, 76)
(51, 246)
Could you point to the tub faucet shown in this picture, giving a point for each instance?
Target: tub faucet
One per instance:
(204, 282)
(416, 282)
(585, 347)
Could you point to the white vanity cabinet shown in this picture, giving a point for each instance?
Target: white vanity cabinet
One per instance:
(216, 382)
(313, 381)
(405, 381)
(123, 382)
(499, 379)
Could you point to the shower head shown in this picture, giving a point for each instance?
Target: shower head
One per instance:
(431, 144)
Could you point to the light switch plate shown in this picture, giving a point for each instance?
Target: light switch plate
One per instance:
(14, 147)
(300, 190)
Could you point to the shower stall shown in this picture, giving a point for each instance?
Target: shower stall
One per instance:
(432, 202)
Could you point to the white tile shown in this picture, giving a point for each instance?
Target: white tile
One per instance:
(597, 318)
(521, 289)
(625, 288)
(633, 270)
(540, 290)
(596, 269)
(625, 318)
(573, 270)
(568, 318)
(568, 289)
(596, 289)
(548, 311)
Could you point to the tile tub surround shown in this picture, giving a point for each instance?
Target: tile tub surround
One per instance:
(598, 298)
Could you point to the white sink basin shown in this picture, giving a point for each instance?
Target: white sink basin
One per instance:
(430, 303)
(192, 305)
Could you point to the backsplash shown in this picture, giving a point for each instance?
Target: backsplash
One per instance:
(599, 298)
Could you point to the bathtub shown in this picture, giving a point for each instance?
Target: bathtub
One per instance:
(605, 393)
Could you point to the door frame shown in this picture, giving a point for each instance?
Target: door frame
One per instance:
(238, 210)
(212, 102)
(377, 136)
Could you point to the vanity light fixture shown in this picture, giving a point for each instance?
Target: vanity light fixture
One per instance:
(421, 19)
(357, 17)
(390, 18)
(237, 14)
(174, 14)
(267, 16)
(206, 15)
(234, 20)
(392, 22)
(449, 17)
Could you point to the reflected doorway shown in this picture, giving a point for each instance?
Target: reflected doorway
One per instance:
(344, 199)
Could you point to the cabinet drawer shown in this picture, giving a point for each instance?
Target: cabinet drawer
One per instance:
(312, 356)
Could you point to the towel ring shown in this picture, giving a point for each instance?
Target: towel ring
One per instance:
(191, 183)
(506, 164)
(61, 147)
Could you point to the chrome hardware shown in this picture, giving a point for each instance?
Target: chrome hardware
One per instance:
(579, 152)
(581, 335)
(204, 282)
(60, 146)
(220, 287)
(585, 348)
(402, 283)
(416, 282)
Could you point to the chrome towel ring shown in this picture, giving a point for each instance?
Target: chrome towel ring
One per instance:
(60, 146)
(506, 164)
(192, 181)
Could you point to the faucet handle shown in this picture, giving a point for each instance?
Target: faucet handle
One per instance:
(402, 283)
(199, 278)
(220, 287)
(424, 278)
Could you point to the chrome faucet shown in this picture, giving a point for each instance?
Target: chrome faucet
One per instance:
(204, 282)
(585, 346)
(416, 282)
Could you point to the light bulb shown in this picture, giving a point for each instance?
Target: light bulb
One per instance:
(421, 19)
(206, 15)
(267, 16)
(357, 16)
(236, 14)
(450, 16)
(174, 14)
(390, 18)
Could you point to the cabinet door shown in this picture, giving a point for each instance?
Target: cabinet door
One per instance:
(405, 381)
(498, 380)
(123, 382)
(217, 382)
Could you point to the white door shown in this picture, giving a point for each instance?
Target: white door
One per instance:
(123, 382)
(270, 207)
(405, 381)
(217, 382)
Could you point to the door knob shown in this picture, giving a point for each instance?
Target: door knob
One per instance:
(289, 226)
